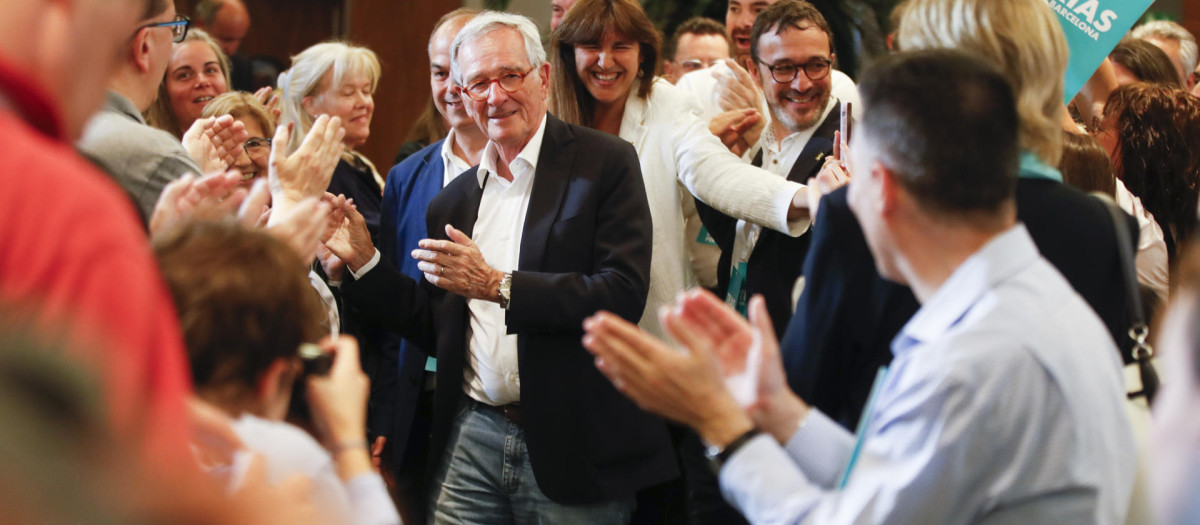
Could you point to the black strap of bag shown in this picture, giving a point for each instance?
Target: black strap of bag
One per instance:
(1139, 330)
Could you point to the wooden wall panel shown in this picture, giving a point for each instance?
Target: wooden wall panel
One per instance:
(397, 30)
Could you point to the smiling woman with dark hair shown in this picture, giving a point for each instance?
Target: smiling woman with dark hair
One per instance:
(603, 57)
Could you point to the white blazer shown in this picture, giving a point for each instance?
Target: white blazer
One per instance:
(676, 151)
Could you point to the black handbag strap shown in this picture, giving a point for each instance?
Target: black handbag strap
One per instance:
(1139, 329)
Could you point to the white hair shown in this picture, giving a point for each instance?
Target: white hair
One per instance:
(489, 21)
(1168, 30)
(309, 67)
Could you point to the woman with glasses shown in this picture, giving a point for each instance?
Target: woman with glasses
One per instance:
(197, 73)
(603, 56)
(259, 124)
(339, 80)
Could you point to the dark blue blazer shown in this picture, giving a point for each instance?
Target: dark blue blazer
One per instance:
(410, 186)
(585, 247)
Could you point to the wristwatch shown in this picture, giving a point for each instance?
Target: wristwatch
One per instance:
(717, 455)
(505, 294)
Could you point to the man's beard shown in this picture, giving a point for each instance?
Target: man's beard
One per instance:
(793, 124)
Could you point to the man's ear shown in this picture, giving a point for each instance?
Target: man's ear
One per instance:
(889, 188)
(544, 75)
(276, 380)
(140, 49)
(754, 73)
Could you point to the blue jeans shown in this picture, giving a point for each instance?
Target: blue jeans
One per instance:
(485, 478)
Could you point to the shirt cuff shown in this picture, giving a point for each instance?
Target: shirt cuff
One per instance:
(366, 267)
(797, 227)
(821, 448)
(767, 488)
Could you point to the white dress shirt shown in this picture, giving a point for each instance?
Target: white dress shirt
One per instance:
(1004, 405)
(452, 165)
(492, 375)
(1151, 258)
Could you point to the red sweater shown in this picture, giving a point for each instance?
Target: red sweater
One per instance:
(75, 260)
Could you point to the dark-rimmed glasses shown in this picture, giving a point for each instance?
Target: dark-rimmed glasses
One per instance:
(510, 82)
(816, 69)
(178, 26)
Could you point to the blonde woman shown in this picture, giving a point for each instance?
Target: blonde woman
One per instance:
(339, 80)
(259, 124)
(197, 73)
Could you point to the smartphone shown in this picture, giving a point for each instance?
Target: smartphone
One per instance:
(847, 117)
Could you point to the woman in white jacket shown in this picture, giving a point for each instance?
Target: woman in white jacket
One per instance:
(603, 56)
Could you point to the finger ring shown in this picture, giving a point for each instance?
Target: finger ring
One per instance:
(441, 270)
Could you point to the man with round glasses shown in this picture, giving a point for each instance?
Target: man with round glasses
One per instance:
(552, 226)
(791, 57)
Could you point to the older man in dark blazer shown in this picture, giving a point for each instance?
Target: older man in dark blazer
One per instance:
(552, 226)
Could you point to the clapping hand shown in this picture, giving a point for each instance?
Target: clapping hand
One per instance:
(737, 91)
(306, 172)
(189, 198)
(351, 241)
(215, 143)
(738, 129)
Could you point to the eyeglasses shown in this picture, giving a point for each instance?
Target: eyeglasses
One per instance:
(697, 64)
(258, 147)
(816, 69)
(179, 27)
(509, 82)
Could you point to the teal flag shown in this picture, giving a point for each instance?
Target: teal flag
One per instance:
(1093, 28)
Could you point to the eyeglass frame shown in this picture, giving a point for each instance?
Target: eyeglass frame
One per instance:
(700, 62)
(827, 63)
(263, 142)
(466, 90)
(180, 20)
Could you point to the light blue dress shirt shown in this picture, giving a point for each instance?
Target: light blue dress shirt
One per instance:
(1004, 404)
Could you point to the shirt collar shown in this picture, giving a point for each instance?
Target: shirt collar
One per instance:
(32, 102)
(119, 103)
(1032, 167)
(448, 156)
(999, 259)
(529, 154)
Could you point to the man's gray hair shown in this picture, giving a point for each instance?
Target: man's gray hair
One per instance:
(490, 21)
(1168, 30)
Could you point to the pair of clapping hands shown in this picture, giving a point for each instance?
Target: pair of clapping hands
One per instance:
(292, 203)
(695, 384)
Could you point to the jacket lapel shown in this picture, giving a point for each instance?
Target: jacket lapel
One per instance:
(633, 122)
(549, 187)
(818, 146)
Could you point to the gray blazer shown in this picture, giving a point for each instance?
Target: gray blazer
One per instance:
(141, 158)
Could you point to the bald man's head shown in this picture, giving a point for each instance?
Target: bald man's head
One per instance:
(227, 21)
